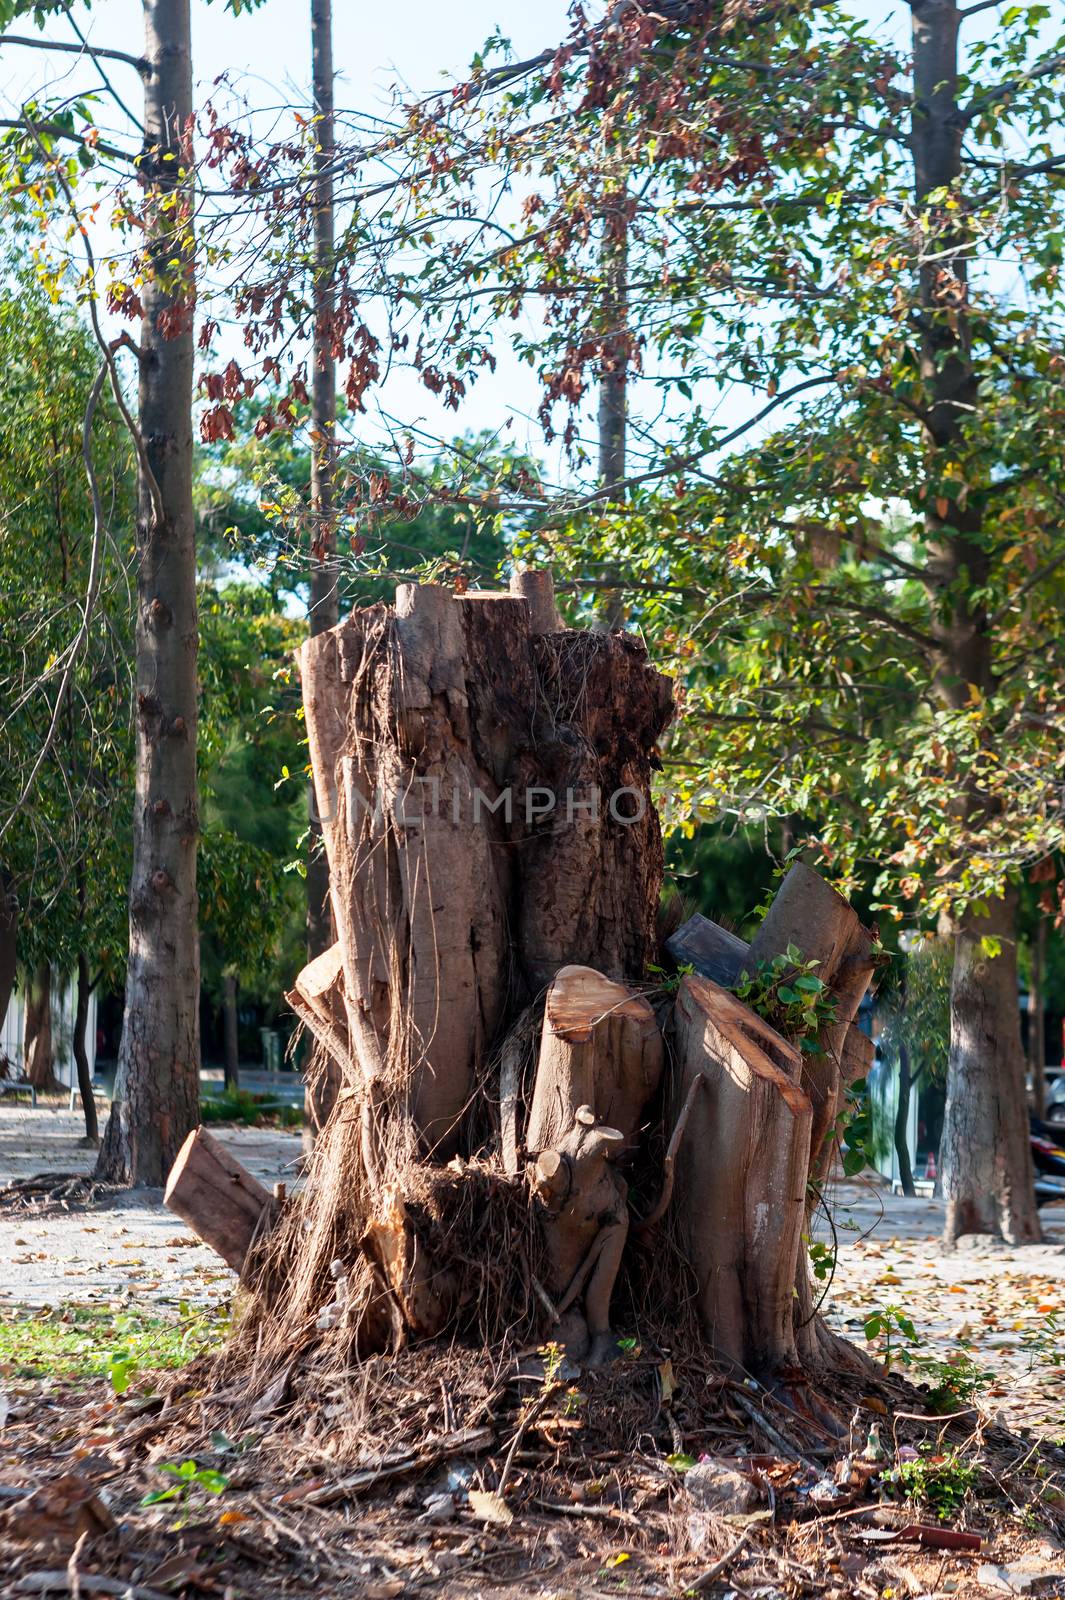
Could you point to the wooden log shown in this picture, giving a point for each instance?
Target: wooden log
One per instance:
(713, 951)
(218, 1198)
(810, 914)
(538, 589)
(601, 1059)
(721, 955)
(739, 1197)
(600, 1046)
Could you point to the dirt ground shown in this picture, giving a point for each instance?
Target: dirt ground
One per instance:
(1005, 1306)
(580, 1519)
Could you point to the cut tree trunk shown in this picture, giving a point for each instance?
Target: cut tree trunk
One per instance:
(985, 1157)
(218, 1198)
(38, 1059)
(81, 1053)
(741, 1174)
(156, 1098)
(809, 914)
(484, 776)
(600, 1064)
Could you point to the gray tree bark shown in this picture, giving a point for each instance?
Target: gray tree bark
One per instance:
(985, 1155)
(37, 1039)
(986, 1166)
(157, 1085)
(324, 610)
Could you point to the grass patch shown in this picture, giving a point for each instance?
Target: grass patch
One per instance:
(251, 1110)
(93, 1342)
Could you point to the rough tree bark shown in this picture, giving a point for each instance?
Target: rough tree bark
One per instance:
(986, 1120)
(496, 864)
(156, 1100)
(985, 1154)
(614, 372)
(38, 1060)
(324, 608)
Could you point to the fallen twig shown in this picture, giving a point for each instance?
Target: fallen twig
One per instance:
(787, 1450)
(427, 1455)
(603, 1513)
(705, 1579)
(90, 1583)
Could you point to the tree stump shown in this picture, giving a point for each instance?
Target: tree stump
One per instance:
(741, 1173)
(484, 779)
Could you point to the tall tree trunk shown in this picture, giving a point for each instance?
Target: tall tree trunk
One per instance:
(985, 1156)
(37, 1040)
(157, 1085)
(324, 608)
(8, 942)
(81, 1053)
(902, 1123)
(1037, 1019)
(614, 371)
(986, 1127)
(229, 1031)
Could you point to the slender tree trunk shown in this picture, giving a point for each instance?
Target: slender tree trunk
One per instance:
(902, 1123)
(614, 372)
(157, 1086)
(229, 1030)
(1037, 1019)
(8, 942)
(985, 1156)
(81, 1053)
(986, 1162)
(37, 1041)
(324, 608)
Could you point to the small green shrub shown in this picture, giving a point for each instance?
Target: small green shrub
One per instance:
(790, 996)
(938, 1483)
(190, 1476)
(241, 1105)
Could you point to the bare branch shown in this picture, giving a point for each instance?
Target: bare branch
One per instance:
(82, 49)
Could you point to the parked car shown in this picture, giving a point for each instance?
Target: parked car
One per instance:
(1055, 1103)
(1048, 1158)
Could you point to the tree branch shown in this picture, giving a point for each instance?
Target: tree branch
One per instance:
(1029, 583)
(55, 132)
(966, 114)
(83, 49)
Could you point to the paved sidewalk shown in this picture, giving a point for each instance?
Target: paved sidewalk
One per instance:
(131, 1247)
